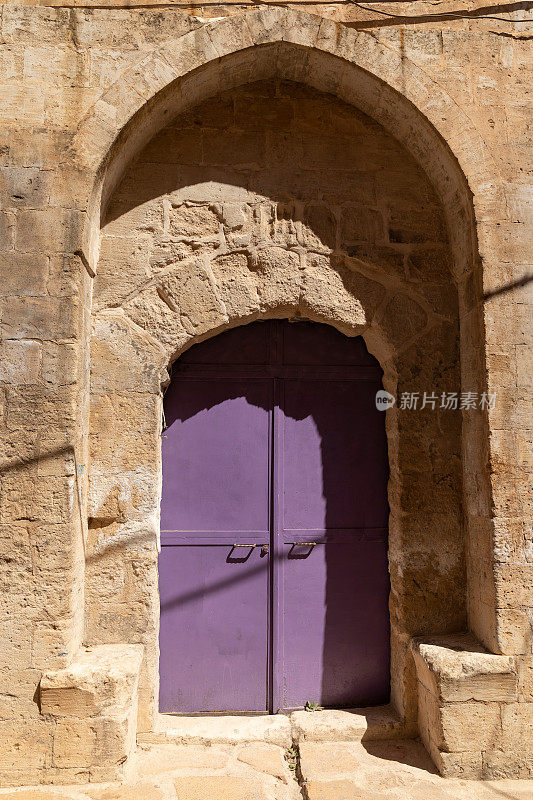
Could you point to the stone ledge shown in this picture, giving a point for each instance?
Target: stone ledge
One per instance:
(464, 693)
(93, 707)
(100, 679)
(457, 669)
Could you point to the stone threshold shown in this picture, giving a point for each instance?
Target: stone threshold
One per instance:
(284, 730)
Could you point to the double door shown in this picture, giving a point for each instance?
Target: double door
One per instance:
(273, 568)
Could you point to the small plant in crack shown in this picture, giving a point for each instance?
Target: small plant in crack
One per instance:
(292, 755)
(312, 706)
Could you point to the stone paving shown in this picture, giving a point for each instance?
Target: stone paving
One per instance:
(375, 770)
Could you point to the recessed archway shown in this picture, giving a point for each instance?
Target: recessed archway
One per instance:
(227, 239)
(374, 77)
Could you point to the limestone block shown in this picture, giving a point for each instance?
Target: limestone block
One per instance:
(123, 356)
(361, 224)
(334, 790)
(230, 34)
(278, 275)
(24, 744)
(49, 25)
(514, 585)
(458, 669)
(48, 230)
(402, 318)
(525, 672)
(467, 765)
(319, 229)
(336, 725)
(190, 51)
(49, 499)
(221, 730)
(225, 787)
(19, 361)
(236, 285)
(195, 222)
(176, 144)
(23, 274)
(140, 791)
(234, 148)
(266, 24)
(514, 764)
(260, 113)
(74, 743)
(190, 291)
(154, 315)
(7, 229)
(100, 743)
(39, 318)
(60, 364)
(429, 263)
(339, 295)
(24, 186)
(464, 727)
(94, 701)
(21, 105)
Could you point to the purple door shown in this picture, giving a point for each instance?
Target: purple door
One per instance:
(273, 571)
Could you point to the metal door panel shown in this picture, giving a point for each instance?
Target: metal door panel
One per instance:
(214, 624)
(335, 625)
(214, 620)
(216, 451)
(332, 622)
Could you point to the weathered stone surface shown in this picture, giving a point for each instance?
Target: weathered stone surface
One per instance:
(265, 758)
(162, 758)
(352, 725)
(457, 668)
(236, 285)
(221, 730)
(221, 786)
(317, 762)
(100, 679)
(19, 361)
(278, 273)
(189, 290)
(339, 790)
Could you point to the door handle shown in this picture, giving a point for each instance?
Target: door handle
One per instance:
(264, 547)
(304, 544)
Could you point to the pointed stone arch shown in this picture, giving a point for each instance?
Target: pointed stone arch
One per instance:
(271, 41)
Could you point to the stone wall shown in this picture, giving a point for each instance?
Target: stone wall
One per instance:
(83, 90)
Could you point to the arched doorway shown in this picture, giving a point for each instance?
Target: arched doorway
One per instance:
(188, 251)
(273, 571)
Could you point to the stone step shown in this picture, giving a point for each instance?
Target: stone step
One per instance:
(330, 725)
(223, 729)
(347, 725)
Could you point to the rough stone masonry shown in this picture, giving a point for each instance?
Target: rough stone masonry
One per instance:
(170, 172)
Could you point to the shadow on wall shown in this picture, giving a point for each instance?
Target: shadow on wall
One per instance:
(330, 486)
